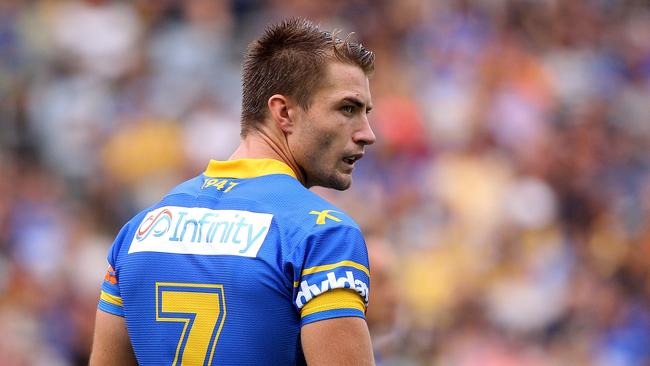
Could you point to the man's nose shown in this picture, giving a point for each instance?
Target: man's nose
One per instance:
(364, 135)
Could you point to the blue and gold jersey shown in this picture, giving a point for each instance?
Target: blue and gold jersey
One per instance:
(228, 266)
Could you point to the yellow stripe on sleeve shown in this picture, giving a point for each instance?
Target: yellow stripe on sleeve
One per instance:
(328, 267)
(340, 298)
(111, 299)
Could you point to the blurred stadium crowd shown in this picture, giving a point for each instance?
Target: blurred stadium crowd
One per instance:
(506, 203)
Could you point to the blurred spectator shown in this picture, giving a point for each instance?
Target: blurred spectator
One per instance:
(382, 318)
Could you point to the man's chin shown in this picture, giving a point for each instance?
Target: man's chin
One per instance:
(341, 187)
(337, 183)
(341, 183)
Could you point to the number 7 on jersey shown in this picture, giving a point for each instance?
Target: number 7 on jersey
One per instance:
(202, 310)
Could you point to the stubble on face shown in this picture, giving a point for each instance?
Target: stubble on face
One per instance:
(317, 170)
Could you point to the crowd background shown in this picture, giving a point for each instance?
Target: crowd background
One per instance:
(506, 202)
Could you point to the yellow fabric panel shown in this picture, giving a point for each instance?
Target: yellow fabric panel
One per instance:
(115, 300)
(247, 168)
(328, 267)
(340, 298)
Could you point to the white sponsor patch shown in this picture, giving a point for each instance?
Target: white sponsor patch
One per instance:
(194, 230)
(309, 291)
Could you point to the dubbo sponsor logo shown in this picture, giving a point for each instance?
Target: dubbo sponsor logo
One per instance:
(308, 291)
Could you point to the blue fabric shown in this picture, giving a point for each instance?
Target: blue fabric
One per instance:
(200, 243)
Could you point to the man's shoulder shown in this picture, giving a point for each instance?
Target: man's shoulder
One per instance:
(313, 213)
(293, 207)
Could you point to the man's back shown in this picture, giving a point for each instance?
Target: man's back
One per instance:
(244, 265)
(224, 268)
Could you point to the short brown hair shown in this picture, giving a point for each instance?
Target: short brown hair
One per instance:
(290, 59)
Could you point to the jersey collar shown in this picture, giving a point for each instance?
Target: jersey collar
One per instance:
(247, 168)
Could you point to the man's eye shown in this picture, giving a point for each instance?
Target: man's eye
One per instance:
(348, 109)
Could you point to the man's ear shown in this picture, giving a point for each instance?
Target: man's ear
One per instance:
(279, 107)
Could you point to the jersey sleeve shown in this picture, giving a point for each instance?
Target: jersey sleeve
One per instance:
(331, 274)
(110, 298)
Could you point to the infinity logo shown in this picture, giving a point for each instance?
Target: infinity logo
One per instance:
(152, 222)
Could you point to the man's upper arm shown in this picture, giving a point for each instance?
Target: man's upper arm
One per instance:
(111, 344)
(330, 272)
(331, 281)
(337, 341)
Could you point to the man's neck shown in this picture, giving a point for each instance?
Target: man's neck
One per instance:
(264, 144)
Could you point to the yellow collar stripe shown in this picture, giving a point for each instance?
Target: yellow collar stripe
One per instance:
(247, 168)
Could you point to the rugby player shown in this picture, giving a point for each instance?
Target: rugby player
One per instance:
(243, 265)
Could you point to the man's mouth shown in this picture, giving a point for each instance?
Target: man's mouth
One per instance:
(351, 159)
